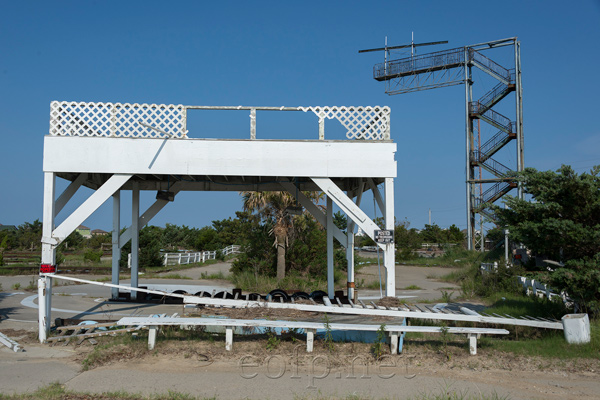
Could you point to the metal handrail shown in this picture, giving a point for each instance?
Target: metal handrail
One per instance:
(414, 63)
(474, 55)
(490, 163)
(475, 107)
(493, 142)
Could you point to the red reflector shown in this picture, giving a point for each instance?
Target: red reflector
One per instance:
(47, 269)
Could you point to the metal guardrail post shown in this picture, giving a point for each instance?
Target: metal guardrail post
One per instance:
(253, 124)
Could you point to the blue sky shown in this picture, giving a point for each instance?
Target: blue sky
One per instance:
(290, 53)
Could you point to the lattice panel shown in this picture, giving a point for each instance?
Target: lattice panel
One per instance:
(366, 123)
(116, 119)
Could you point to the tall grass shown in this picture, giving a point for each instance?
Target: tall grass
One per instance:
(247, 281)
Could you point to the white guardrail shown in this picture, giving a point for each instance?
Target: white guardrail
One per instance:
(530, 286)
(196, 257)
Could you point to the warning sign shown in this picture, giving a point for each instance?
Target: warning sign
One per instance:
(384, 236)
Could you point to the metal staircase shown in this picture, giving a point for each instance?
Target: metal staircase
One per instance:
(454, 67)
(492, 166)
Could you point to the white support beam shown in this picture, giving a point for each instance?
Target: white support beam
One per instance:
(68, 193)
(135, 236)
(98, 198)
(376, 194)
(116, 249)
(330, 225)
(359, 195)
(314, 211)
(42, 332)
(148, 215)
(350, 247)
(347, 205)
(48, 256)
(48, 245)
(350, 260)
(389, 255)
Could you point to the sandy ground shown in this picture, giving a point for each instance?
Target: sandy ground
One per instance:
(204, 368)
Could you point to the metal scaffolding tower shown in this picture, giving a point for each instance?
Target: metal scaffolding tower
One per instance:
(454, 67)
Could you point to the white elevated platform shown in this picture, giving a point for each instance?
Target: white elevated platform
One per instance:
(112, 147)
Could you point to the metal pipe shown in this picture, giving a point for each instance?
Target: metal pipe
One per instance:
(468, 153)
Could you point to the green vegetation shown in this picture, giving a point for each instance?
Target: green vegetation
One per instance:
(562, 223)
(56, 391)
(549, 344)
(378, 348)
(412, 287)
(250, 282)
(328, 338)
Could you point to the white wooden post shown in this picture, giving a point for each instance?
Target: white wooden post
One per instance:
(350, 257)
(350, 244)
(43, 334)
(116, 250)
(310, 340)
(330, 275)
(152, 333)
(394, 342)
(135, 236)
(389, 257)
(228, 338)
(48, 256)
(472, 343)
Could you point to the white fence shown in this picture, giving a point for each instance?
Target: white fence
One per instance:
(530, 286)
(188, 258)
(197, 257)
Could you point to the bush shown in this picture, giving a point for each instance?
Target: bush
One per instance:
(92, 256)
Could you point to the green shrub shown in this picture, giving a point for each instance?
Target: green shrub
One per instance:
(92, 256)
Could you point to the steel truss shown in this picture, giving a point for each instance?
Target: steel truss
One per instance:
(454, 67)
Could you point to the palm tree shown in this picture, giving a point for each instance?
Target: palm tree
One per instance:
(272, 206)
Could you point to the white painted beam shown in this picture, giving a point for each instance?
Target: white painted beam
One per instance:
(135, 236)
(314, 211)
(116, 249)
(352, 224)
(347, 205)
(68, 193)
(377, 195)
(329, 227)
(301, 158)
(147, 216)
(389, 254)
(97, 198)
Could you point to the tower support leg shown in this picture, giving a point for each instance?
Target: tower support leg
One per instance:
(350, 258)
(135, 236)
(330, 275)
(389, 258)
(116, 249)
(48, 257)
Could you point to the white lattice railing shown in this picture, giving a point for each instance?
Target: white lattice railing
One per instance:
(117, 119)
(366, 123)
(168, 120)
